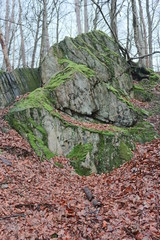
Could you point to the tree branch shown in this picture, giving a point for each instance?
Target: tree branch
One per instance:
(146, 55)
(123, 50)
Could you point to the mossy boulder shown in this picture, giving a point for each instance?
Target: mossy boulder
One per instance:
(87, 76)
(85, 79)
(90, 150)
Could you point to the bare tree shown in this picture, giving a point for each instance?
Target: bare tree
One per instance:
(113, 18)
(45, 36)
(78, 16)
(7, 24)
(5, 53)
(22, 37)
(36, 41)
(144, 31)
(86, 26)
(151, 7)
(96, 14)
(137, 33)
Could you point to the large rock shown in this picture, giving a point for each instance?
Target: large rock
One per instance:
(85, 79)
(97, 76)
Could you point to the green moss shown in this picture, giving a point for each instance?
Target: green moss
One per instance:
(102, 156)
(141, 94)
(68, 73)
(38, 127)
(111, 155)
(57, 164)
(154, 77)
(112, 89)
(142, 132)
(71, 66)
(123, 98)
(26, 128)
(111, 53)
(39, 147)
(36, 99)
(78, 155)
(124, 151)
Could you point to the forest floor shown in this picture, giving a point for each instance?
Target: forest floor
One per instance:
(46, 200)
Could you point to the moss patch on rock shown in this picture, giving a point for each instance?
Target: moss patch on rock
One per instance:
(142, 94)
(35, 134)
(68, 73)
(124, 151)
(142, 132)
(36, 99)
(78, 155)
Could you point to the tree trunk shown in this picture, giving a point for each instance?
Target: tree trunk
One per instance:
(45, 37)
(5, 53)
(95, 20)
(86, 27)
(113, 18)
(137, 33)
(128, 41)
(22, 37)
(35, 41)
(6, 24)
(78, 16)
(6, 36)
(149, 34)
(144, 32)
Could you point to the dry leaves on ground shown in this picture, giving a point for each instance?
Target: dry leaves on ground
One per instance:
(39, 200)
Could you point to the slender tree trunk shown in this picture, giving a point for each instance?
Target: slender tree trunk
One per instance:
(113, 18)
(86, 27)
(22, 37)
(5, 53)
(149, 34)
(144, 32)
(57, 22)
(45, 37)
(95, 20)
(137, 33)
(35, 41)
(78, 16)
(6, 24)
(13, 61)
(128, 28)
(6, 36)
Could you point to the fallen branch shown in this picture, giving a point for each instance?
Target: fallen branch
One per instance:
(91, 198)
(35, 206)
(13, 216)
(88, 193)
(129, 232)
(5, 161)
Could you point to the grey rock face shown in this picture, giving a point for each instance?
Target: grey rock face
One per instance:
(90, 95)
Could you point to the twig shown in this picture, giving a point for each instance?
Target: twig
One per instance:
(129, 232)
(13, 216)
(91, 198)
(146, 55)
(35, 206)
(88, 193)
(158, 217)
(5, 161)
